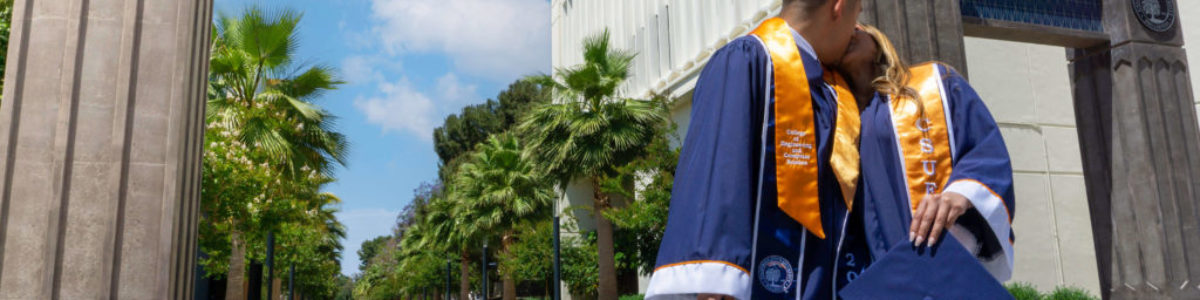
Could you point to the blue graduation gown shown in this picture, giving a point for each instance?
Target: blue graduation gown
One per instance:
(981, 171)
(725, 233)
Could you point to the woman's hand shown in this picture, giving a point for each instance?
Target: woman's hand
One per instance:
(936, 212)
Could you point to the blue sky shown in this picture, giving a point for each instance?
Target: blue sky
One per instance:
(409, 63)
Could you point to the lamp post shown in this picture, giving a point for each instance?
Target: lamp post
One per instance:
(557, 265)
(485, 275)
(292, 282)
(557, 283)
(270, 264)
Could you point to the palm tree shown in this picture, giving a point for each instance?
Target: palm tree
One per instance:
(332, 232)
(443, 228)
(504, 189)
(257, 88)
(259, 94)
(590, 131)
(313, 241)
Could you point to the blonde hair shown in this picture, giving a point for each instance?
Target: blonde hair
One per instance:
(894, 81)
(895, 73)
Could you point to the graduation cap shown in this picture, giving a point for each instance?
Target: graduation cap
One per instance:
(942, 271)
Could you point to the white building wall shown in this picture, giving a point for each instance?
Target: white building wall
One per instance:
(1028, 91)
(673, 38)
(1189, 18)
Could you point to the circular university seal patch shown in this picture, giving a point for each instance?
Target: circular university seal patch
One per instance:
(775, 274)
(1156, 15)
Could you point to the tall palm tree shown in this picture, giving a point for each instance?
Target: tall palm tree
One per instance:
(590, 131)
(312, 242)
(324, 218)
(443, 228)
(259, 94)
(501, 185)
(258, 89)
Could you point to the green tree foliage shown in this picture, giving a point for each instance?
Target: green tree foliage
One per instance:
(404, 261)
(370, 248)
(580, 268)
(314, 246)
(255, 194)
(496, 189)
(526, 258)
(269, 150)
(501, 187)
(591, 132)
(422, 272)
(446, 223)
(232, 189)
(345, 288)
(460, 132)
(378, 281)
(641, 222)
(498, 184)
(443, 229)
(265, 99)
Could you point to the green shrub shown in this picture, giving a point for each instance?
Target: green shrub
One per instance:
(580, 270)
(1023, 291)
(1070, 293)
(632, 297)
(1026, 291)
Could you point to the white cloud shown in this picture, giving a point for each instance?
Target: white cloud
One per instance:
(454, 90)
(362, 225)
(403, 108)
(496, 39)
(360, 70)
(368, 69)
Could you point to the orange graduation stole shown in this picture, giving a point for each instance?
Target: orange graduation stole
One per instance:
(923, 136)
(795, 132)
(845, 158)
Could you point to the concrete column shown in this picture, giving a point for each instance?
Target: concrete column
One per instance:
(1141, 145)
(922, 30)
(100, 137)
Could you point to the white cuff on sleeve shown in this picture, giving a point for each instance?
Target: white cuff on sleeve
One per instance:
(685, 280)
(989, 204)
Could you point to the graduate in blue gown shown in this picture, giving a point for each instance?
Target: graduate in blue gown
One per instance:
(726, 232)
(931, 152)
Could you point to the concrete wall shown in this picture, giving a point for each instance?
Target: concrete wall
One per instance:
(100, 136)
(1027, 88)
(1028, 91)
(1189, 18)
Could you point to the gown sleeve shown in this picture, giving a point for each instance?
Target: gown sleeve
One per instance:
(707, 244)
(983, 173)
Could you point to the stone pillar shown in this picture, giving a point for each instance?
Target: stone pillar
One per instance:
(100, 137)
(1141, 147)
(922, 30)
(1091, 84)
